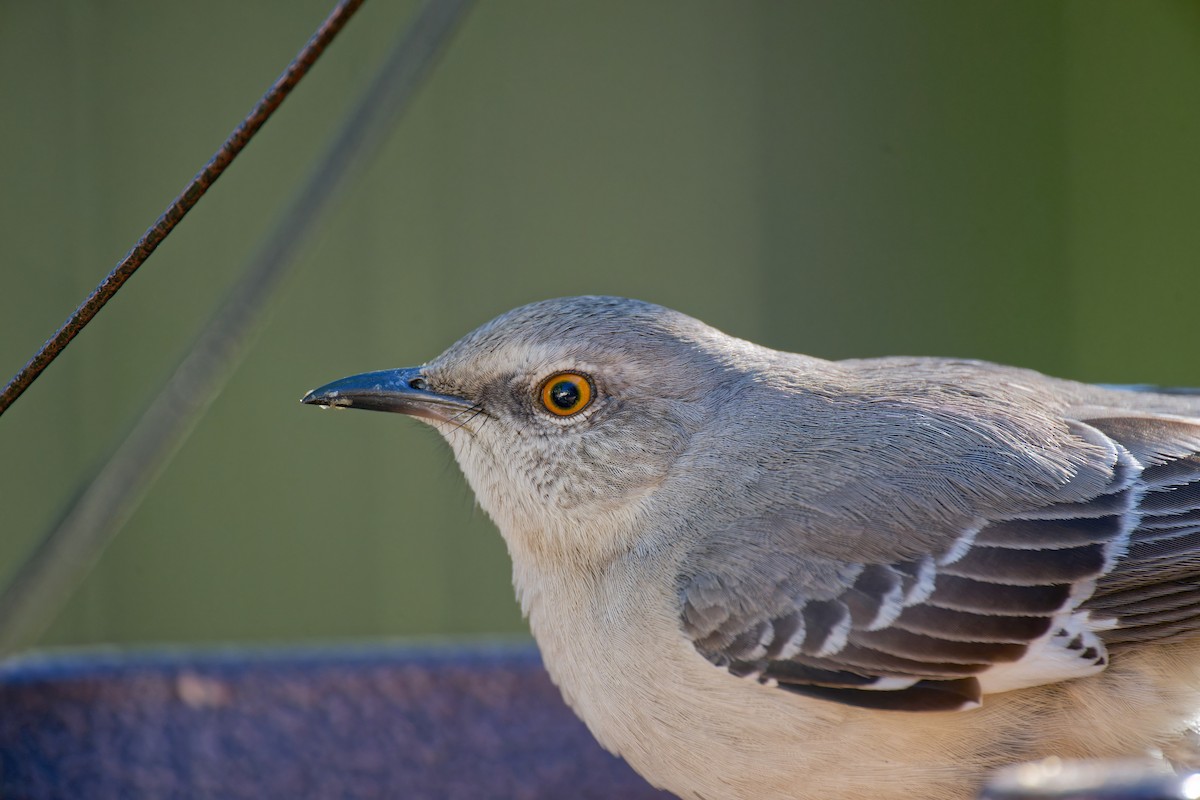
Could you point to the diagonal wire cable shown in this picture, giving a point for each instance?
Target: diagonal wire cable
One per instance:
(67, 551)
(182, 204)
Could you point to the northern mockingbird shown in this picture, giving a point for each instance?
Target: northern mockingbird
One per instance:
(756, 574)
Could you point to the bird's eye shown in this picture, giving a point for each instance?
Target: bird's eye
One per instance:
(566, 393)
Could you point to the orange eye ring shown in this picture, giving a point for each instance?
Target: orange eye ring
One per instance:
(565, 394)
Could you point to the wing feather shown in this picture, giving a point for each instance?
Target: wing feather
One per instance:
(1027, 596)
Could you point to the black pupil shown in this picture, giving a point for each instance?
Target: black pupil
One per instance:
(564, 394)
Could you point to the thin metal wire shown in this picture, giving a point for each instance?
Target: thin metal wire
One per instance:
(182, 204)
(67, 551)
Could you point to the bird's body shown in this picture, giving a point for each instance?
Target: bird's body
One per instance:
(758, 574)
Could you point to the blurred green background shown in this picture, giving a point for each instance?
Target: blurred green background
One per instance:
(1015, 181)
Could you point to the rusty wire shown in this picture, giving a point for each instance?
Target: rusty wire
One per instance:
(64, 554)
(182, 204)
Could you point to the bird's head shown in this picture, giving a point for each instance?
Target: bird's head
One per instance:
(565, 415)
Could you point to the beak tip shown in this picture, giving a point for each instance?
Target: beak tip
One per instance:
(326, 399)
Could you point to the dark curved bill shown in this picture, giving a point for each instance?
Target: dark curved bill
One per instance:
(400, 391)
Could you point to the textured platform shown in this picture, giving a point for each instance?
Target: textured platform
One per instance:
(483, 722)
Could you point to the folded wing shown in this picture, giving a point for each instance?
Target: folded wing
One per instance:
(1008, 600)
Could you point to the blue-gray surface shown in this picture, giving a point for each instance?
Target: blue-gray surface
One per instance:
(483, 722)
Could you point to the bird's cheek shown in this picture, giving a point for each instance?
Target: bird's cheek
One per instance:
(608, 472)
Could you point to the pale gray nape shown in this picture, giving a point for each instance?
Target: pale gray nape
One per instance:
(749, 570)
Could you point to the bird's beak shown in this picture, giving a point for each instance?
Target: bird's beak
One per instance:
(399, 390)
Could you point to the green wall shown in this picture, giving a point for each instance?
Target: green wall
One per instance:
(1017, 181)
